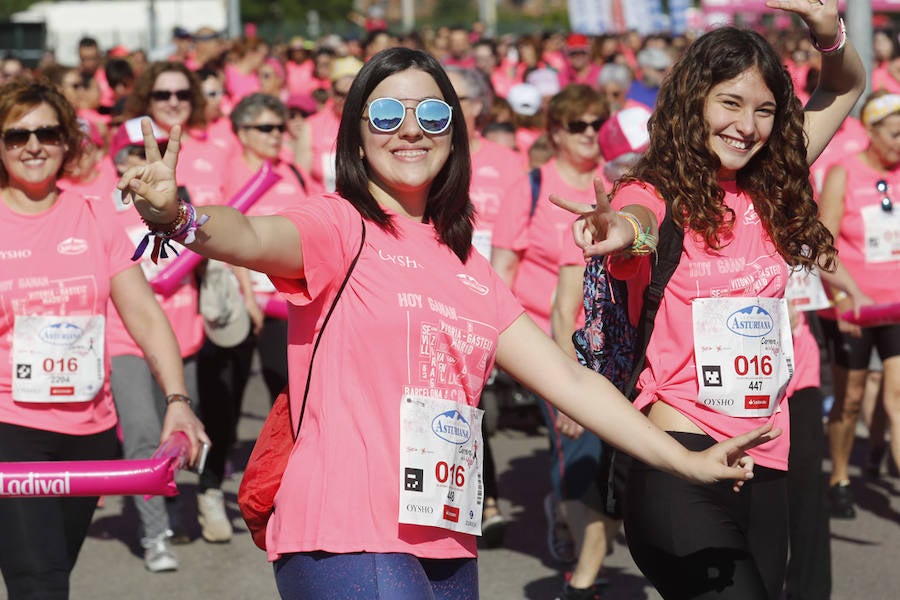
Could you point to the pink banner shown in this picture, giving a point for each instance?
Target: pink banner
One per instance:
(875, 314)
(169, 279)
(152, 476)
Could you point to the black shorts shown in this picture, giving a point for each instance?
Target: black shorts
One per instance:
(854, 353)
(699, 541)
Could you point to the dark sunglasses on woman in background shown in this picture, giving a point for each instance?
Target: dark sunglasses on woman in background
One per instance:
(165, 95)
(51, 135)
(267, 127)
(887, 205)
(581, 126)
(387, 114)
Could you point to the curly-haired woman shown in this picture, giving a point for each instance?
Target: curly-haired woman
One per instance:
(730, 148)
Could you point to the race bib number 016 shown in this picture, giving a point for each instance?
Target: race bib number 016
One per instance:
(440, 464)
(744, 354)
(57, 359)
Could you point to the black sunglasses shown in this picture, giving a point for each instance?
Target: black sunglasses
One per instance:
(51, 135)
(887, 205)
(165, 95)
(581, 126)
(267, 128)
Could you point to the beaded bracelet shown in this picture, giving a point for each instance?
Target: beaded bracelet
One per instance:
(179, 398)
(185, 224)
(644, 242)
(839, 43)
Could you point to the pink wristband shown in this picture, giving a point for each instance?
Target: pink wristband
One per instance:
(839, 43)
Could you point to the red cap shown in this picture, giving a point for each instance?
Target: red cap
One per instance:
(625, 132)
(577, 41)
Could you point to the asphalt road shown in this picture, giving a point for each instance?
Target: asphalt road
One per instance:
(110, 567)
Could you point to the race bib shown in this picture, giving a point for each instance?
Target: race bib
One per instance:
(744, 354)
(57, 359)
(805, 291)
(882, 230)
(440, 464)
(481, 239)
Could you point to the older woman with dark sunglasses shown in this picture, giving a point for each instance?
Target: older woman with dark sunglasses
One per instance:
(63, 259)
(382, 491)
(858, 206)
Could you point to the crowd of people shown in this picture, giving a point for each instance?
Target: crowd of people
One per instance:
(470, 155)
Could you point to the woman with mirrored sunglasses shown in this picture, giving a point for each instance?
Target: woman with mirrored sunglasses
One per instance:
(64, 260)
(527, 253)
(858, 206)
(408, 348)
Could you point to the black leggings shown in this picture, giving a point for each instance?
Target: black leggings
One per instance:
(706, 541)
(41, 537)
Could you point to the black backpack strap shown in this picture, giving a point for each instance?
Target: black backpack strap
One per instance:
(296, 171)
(534, 178)
(668, 255)
(337, 296)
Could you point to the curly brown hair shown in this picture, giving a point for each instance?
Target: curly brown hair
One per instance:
(138, 103)
(681, 166)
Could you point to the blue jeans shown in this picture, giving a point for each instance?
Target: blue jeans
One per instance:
(381, 576)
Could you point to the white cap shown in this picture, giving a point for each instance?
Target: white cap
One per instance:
(524, 99)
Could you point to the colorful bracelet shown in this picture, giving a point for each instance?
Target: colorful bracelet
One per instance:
(839, 43)
(644, 242)
(185, 225)
(179, 398)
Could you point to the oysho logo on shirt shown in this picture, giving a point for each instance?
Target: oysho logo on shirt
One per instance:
(752, 321)
(18, 253)
(401, 261)
(72, 246)
(452, 427)
(472, 283)
(61, 333)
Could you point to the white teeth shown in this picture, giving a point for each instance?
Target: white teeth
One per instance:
(409, 153)
(736, 143)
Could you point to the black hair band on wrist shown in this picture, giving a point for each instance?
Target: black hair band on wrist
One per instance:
(179, 398)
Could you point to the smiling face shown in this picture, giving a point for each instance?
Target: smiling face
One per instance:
(740, 113)
(402, 164)
(170, 112)
(579, 147)
(263, 144)
(33, 167)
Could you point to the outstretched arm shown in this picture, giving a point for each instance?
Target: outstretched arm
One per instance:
(268, 244)
(527, 354)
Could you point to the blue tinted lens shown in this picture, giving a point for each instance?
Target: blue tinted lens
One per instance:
(433, 116)
(386, 114)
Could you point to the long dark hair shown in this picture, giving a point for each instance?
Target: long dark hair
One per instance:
(448, 208)
(684, 170)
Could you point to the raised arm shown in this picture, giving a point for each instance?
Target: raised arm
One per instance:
(268, 244)
(842, 79)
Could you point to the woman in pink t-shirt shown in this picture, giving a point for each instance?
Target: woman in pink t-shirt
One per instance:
(63, 260)
(728, 159)
(857, 206)
(410, 344)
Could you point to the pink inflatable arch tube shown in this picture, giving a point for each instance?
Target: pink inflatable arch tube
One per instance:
(874, 315)
(152, 476)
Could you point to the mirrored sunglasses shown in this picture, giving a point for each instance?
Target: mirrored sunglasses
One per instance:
(581, 126)
(166, 95)
(47, 136)
(887, 205)
(387, 114)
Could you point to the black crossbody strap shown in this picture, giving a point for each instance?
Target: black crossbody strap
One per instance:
(334, 302)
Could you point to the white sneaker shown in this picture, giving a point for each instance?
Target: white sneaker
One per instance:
(158, 556)
(215, 526)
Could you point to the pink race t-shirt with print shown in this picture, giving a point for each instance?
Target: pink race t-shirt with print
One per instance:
(57, 263)
(323, 127)
(201, 164)
(539, 238)
(413, 319)
(493, 168)
(747, 265)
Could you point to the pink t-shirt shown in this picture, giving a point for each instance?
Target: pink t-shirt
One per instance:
(100, 187)
(748, 265)
(323, 127)
(807, 362)
(59, 262)
(239, 84)
(201, 164)
(883, 80)
(299, 76)
(539, 238)
(876, 279)
(493, 167)
(849, 139)
(412, 319)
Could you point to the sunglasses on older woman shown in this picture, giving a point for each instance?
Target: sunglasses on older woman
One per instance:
(387, 114)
